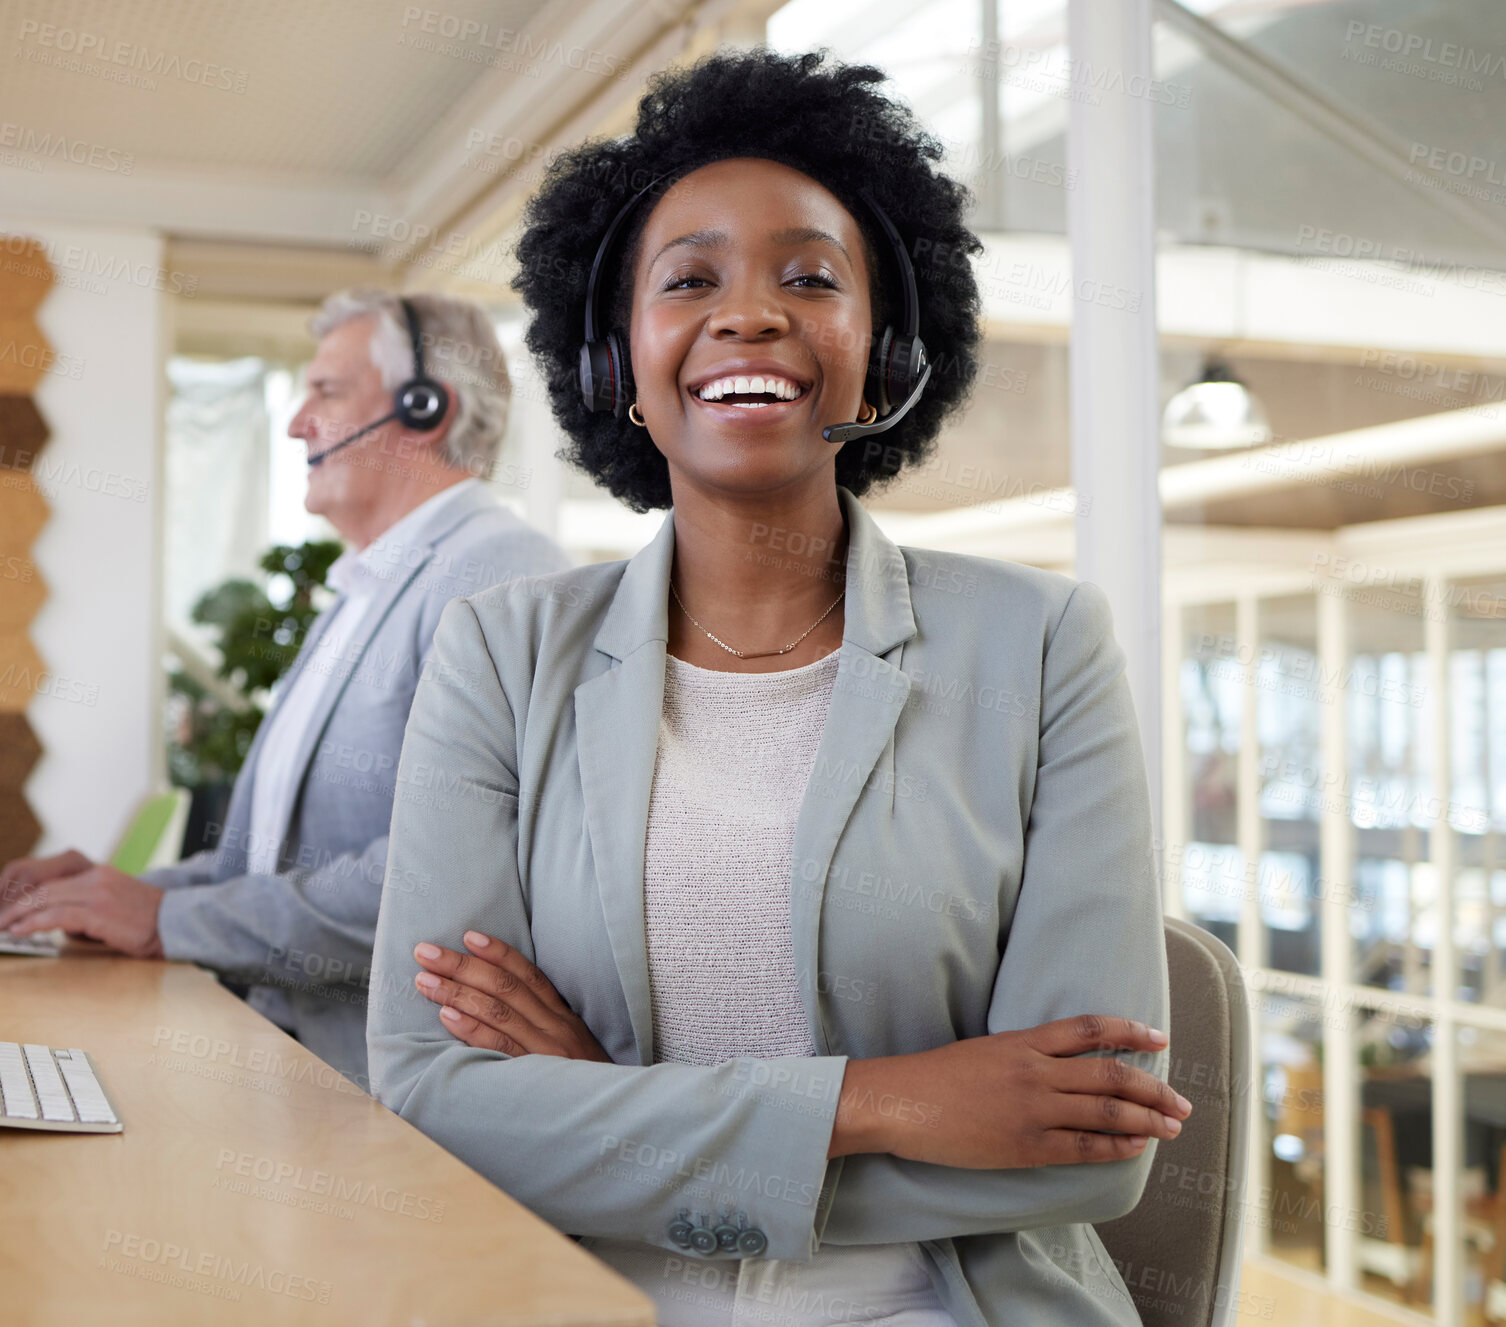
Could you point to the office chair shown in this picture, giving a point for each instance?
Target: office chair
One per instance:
(155, 835)
(1179, 1250)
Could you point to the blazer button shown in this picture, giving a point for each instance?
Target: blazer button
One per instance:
(679, 1231)
(752, 1242)
(703, 1240)
(726, 1236)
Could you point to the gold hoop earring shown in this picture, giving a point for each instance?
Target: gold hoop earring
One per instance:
(870, 416)
(637, 418)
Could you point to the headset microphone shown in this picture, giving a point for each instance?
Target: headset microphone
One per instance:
(840, 433)
(314, 459)
(420, 403)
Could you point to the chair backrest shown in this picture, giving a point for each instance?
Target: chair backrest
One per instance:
(1179, 1250)
(155, 835)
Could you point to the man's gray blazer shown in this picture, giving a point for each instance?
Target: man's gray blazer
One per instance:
(301, 939)
(972, 855)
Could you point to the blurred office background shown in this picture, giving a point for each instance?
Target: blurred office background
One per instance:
(1329, 185)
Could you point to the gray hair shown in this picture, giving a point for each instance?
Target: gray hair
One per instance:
(460, 348)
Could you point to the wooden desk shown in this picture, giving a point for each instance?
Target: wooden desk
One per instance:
(252, 1183)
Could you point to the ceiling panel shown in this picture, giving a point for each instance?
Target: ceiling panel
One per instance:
(337, 88)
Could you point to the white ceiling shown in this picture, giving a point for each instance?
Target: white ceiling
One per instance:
(290, 121)
(327, 90)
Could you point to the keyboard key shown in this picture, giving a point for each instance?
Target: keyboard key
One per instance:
(88, 1096)
(15, 1084)
(51, 1093)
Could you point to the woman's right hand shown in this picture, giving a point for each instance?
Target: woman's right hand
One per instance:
(1011, 1099)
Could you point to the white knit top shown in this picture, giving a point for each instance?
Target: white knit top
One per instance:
(736, 751)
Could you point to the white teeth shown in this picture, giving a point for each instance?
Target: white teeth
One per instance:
(783, 388)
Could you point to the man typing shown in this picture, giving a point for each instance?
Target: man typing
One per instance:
(285, 906)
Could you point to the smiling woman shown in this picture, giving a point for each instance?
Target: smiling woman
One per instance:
(832, 129)
(739, 954)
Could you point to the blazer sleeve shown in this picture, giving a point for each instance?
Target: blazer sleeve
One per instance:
(609, 1150)
(1086, 938)
(305, 929)
(195, 870)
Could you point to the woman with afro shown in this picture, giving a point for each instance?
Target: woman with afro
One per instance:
(775, 910)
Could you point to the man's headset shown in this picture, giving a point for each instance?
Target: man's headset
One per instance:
(897, 366)
(420, 403)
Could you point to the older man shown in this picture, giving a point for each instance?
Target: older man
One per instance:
(407, 403)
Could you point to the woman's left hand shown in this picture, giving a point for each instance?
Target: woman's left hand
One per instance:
(495, 999)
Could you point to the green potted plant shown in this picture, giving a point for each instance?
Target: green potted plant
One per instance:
(258, 635)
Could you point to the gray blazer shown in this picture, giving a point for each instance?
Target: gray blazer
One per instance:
(301, 938)
(972, 855)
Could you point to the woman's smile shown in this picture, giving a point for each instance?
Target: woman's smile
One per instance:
(752, 402)
(752, 392)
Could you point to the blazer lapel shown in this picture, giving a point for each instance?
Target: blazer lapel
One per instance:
(866, 701)
(617, 717)
(617, 730)
(352, 650)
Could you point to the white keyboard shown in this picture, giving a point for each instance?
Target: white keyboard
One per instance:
(41, 943)
(45, 1088)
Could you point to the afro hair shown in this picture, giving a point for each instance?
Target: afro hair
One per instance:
(828, 123)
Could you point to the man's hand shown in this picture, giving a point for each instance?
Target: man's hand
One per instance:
(494, 998)
(17, 877)
(99, 902)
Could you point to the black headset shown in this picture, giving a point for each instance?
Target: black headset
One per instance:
(897, 366)
(420, 403)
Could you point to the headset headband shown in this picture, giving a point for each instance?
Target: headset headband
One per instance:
(411, 314)
(603, 252)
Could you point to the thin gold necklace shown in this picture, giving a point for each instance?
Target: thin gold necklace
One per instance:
(765, 653)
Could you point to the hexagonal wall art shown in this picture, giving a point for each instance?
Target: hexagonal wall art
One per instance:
(23, 433)
(19, 752)
(25, 356)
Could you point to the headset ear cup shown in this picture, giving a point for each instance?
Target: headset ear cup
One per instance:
(622, 374)
(596, 375)
(421, 404)
(902, 370)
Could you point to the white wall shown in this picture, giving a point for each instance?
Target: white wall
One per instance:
(98, 711)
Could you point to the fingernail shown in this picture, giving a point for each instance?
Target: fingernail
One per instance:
(476, 940)
(1138, 1140)
(426, 950)
(1159, 1037)
(427, 980)
(451, 1014)
(1173, 1124)
(1183, 1103)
